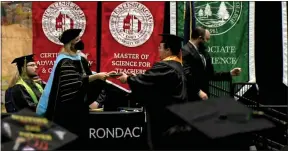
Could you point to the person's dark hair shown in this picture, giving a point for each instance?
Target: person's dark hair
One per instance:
(175, 49)
(197, 32)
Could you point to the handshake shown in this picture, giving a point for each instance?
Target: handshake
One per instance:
(113, 74)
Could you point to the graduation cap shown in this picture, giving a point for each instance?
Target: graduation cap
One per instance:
(26, 130)
(69, 35)
(22, 61)
(174, 42)
(219, 118)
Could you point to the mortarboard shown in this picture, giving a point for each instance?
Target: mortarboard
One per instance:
(69, 35)
(21, 61)
(174, 42)
(219, 123)
(220, 117)
(26, 130)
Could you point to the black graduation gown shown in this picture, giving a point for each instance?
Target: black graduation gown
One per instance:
(164, 84)
(71, 94)
(198, 76)
(98, 85)
(22, 98)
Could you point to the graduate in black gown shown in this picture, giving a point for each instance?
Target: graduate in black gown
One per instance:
(24, 92)
(64, 100)
(162, 85)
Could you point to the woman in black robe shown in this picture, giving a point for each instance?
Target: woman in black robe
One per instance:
(65, 94)
(96, 101)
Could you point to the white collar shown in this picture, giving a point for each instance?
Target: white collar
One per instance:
(193, 45)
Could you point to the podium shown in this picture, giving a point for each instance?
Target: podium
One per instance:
(116, 130)
(116, 97)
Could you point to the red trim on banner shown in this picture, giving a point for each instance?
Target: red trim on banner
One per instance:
(130, 36)
(45, 46)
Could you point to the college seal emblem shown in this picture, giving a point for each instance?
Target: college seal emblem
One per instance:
(60, 16)
(217, 17)
(131, 24)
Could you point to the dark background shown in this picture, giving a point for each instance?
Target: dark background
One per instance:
(268, 53)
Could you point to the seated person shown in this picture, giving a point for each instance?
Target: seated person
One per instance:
(23, 91)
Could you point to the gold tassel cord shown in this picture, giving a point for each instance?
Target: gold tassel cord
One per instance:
(24, 70)
(184, 10)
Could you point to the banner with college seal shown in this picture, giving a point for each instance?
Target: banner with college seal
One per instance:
(231, 25)
(50, 19)
(130, 36)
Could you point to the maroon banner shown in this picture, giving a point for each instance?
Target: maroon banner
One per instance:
(130, 36)
(50, 19)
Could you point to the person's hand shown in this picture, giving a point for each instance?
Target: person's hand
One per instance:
(102, 75)
(235, 71)
(94, 105)
(112, 72)
(123, 78)
(132, 74)
(203, 95)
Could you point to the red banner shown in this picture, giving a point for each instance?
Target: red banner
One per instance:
(50, 19)
(130, 36)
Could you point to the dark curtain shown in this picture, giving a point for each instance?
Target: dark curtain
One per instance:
(268, 53)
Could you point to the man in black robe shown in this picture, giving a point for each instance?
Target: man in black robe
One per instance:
(24, 92)
(198, 66)
(64, 100)
(162, 85)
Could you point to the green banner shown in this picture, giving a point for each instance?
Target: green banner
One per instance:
(180, 18)
(228, 23)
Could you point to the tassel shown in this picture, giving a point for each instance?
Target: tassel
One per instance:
(24, 70)
(184, 10)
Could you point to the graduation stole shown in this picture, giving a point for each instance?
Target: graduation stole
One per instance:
(29, 90)
(174, 58)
